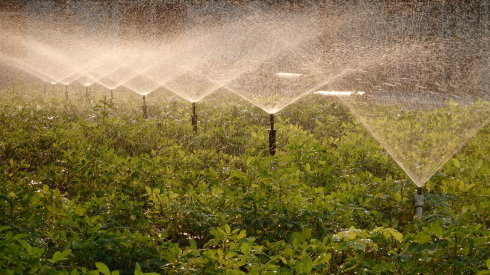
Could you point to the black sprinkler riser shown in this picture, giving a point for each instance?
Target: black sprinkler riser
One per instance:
(194, 117)
(272, 136)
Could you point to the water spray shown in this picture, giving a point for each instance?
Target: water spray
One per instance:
(419, 203)
(272, 136)
(194, 117)
(145, 108)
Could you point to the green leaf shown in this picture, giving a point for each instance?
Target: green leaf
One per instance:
(227, 229)
(307, 264)
(298, 267)
(2, 228)
(323, 259)
(488, 263)
(138, 270)
(25, 245)
(434, 229)
(242, 234)
(56, 257)
(19, 236)
(327, 257)
(60, 256)
(283, 260)
(396, 235)
(351, 235)
(103, 268)
(66, 253)
(193, 243)
(422, 238)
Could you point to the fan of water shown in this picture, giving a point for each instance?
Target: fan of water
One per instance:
(321, 49)
(423, 108)
(141, 85)
(422, 132)
(423, 66)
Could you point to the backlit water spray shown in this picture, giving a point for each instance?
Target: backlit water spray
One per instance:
(418, 73)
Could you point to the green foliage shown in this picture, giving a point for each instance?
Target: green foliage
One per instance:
(99, 190)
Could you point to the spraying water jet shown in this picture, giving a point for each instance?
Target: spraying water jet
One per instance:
(420, 132)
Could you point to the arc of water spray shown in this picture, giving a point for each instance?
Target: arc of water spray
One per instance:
(82, 72)
(46, 52)
(97, 79)
(21, 65)
(129, 66)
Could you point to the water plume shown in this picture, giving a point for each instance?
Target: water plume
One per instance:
(141, 85)
(421, 132)
(414, 61)
(429, 96)
(310, 57)
(23, 66)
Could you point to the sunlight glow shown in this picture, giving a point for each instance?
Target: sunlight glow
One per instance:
(288, 75)
(338, 93)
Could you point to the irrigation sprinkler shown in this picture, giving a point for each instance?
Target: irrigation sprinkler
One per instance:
(66, 92)
(145, 108)
(272, 136)
(45, 89)
(87, 94)
(112, 95)
(419, 203)
(194, 117)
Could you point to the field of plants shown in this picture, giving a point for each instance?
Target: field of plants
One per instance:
(90, 187)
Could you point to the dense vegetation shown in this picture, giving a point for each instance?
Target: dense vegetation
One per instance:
(92, 187)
